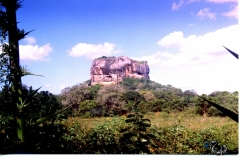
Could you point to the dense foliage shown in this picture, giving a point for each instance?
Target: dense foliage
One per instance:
(149, 96)
(41, 105)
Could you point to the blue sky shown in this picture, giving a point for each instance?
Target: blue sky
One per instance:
(181, 40)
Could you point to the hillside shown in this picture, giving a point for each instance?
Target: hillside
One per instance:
(141, 94)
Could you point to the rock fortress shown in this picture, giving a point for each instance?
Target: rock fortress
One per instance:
(112, 70)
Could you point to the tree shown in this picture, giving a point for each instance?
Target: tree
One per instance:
(148, 95)
(10, 30)
(136, 137)
(111, 100)
(73, 96)
(129, 83)
(133, 99)
(14, 103)
(157, 105)
(77, 94)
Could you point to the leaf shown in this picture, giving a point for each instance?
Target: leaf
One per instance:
(22, 33)
(34, 92)
(44, 119)
(33, 74)
(233, 53)
(229, 113)
(19, 91)
(20, 99)
(25, 72)
(21, 128)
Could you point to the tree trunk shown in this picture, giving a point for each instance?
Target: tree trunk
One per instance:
(13, 51)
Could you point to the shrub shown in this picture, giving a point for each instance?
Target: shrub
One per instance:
(42, 104)
(104, 139)
(135, 136)
(87, 115)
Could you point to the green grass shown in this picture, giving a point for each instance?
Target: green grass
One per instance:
(190, 121)
(195, 130)
(162, 119)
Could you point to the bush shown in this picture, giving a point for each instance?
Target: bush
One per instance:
(136, 137)
(111, 101)
(87, 115)
(42, 104)
(104, 139)
(180, 140)
(213, 112)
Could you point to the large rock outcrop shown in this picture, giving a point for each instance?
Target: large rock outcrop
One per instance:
(112, 70)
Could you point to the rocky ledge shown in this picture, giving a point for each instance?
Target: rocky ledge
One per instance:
(112, 70)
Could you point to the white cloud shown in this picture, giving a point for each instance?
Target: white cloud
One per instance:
(62, 87)
(233, 13)
(191, 25)
(48, 85)
(209, 44)
(173, 39)
(34, 52)
(206, 13)
(201, 63)
(93, 51)
(222, 1)
(30, 40)
(176, 6)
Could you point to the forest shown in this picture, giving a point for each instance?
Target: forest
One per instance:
(137, 116)
(142, 95)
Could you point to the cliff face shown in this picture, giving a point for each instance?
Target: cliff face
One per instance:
(112, 70)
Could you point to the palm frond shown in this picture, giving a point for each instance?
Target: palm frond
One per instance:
(227, 112)
(25, 72)
(233, 53)
(44, 119)
(22, 34)
(10, 4)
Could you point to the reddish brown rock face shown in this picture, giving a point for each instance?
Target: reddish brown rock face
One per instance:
(112, 70)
